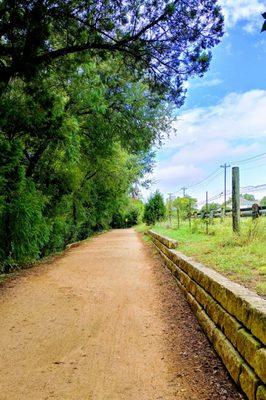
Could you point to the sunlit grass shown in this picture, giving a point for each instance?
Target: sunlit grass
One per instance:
(240, 257)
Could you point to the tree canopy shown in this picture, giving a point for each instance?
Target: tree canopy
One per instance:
(185, 206)
(85, 89)
(162, 41)
(263, 201)
(247, 196)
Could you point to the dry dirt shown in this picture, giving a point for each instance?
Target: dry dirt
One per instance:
(105, 322)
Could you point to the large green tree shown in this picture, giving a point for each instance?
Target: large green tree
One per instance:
(163, 41)
(84, 97)
(74, 141)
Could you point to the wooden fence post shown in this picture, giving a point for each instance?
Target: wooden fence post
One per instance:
(207, 212)
(178, 217)
(236, 199)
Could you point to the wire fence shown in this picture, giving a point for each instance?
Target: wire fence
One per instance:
(228, 203)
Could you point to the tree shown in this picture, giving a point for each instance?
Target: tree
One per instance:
(154, 210)
(249, 197)
(162, 41)
(84, 97)
(263, 201)
(73, 143)
(211, 207)
(185, 206)
(263, 29)
(128, 214)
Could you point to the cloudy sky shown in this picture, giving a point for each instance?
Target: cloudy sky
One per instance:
(224, 117)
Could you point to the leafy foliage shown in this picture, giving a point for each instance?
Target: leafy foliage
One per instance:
(128, 214)
(163, 41)
(211, 207)
(73, 142)
(154, 209)
(263, 29)
(185, 205)
(249, 197)
(83, 93)
(263, 201)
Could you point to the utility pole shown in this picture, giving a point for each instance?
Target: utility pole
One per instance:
(225, 166)
(184, 191)
(236, 199)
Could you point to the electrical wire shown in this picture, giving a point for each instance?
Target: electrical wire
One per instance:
(249, 159)
(254, 166)
(213, 175)
(205, 179)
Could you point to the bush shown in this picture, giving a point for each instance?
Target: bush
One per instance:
(155, 209)
(128, 216)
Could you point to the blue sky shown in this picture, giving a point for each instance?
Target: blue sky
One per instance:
(224, 116)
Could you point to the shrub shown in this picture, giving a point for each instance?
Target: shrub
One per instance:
(154, 209)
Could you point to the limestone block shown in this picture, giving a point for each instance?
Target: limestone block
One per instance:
(202, 296)
(170, 243)
(206, 323)
(257, 320)
(184, 278)
(261, 393)
(230, 357)
(230, 327)
(248, 382)
(215, 311)
(259, 363)
(247, 345)
(193, 303)
(192, 287)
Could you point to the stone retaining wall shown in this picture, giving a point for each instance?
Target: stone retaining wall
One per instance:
(233, 317)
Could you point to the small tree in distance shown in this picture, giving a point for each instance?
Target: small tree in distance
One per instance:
(263, 201)
(185, 205)
(247, 196)
(211, 207)
(154, 209)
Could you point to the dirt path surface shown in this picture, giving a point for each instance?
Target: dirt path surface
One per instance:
(104, 322)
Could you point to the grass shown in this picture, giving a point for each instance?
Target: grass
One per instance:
(241, 258)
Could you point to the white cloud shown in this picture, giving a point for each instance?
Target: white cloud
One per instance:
(248, 11)
(166, 175)
(233, 129)
(237, 116)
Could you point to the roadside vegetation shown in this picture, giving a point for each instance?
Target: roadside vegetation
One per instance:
(86, 90)
(241, 258)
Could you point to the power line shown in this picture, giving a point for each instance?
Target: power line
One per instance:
(249, 159)
(203, 180)
(215, 197)
(207, 182)
(233, 162)
(254, 166)
(213, 175)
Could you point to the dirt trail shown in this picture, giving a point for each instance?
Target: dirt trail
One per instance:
(104, 322)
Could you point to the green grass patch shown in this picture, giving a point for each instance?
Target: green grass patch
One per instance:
(241, 257)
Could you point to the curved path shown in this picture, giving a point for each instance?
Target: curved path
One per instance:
(104, 322)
